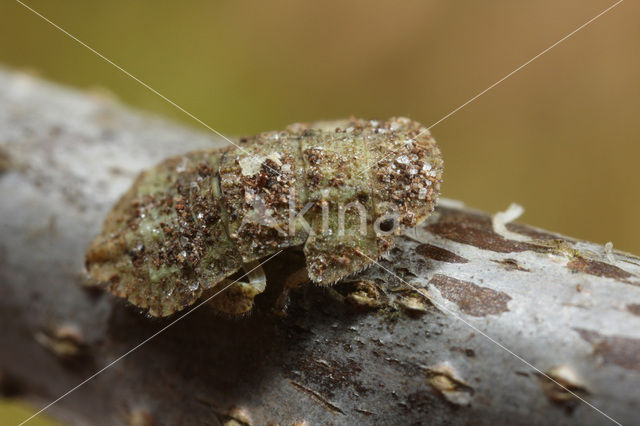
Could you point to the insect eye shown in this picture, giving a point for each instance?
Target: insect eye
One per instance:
(387, 225)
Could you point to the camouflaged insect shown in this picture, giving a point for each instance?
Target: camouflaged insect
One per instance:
(186, 225)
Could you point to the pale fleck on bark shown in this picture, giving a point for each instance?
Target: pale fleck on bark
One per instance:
(370, 351)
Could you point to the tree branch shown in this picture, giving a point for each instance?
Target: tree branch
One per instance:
(370, 351)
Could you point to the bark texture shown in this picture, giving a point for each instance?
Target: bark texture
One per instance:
(368, 351)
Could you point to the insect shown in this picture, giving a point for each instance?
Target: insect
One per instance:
(340, 190)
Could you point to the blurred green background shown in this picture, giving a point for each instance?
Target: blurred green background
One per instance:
(561, 137)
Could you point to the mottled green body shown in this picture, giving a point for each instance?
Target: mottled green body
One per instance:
(186, 224)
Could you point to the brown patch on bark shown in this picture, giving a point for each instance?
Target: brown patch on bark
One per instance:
(5, 160)
(535, 233)
(476, 229)
(599, 269)
(439, 254)
(634, 308)
(471, 298)
(511, 265)
(622, 351)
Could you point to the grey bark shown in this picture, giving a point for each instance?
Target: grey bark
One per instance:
(370, 351)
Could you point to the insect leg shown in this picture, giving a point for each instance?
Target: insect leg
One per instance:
(237, 298)
(297, 278)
